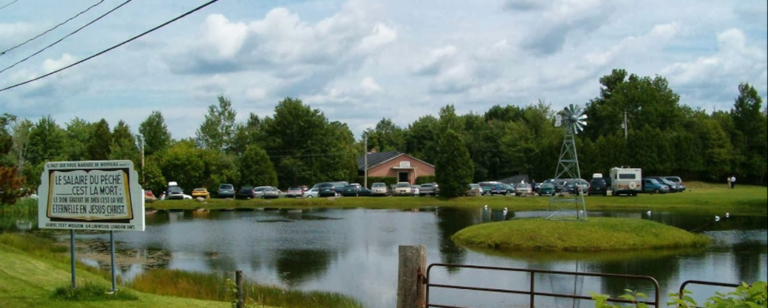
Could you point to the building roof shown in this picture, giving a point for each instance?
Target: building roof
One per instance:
(378, 158)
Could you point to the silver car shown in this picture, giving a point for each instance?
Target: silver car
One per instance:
(379, 189)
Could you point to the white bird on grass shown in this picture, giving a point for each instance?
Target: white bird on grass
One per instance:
(649, 213)
(727, 215)
(485, 206)
(717, 218)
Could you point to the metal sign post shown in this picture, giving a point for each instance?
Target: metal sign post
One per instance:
(72, 256)
(91, 195)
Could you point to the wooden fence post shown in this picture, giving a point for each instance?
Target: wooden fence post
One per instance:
(410, 286)
(239, 282)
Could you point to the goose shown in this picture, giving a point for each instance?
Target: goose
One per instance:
(649, 213)
(717, 218)
(727, 215)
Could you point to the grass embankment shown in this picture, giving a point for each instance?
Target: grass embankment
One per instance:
(36, 274)
(596, 234)
(700, 198)
(34, 268)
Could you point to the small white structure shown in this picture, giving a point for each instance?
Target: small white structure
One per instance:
(626, 181)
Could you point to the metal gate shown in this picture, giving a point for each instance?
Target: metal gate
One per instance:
(531, 292)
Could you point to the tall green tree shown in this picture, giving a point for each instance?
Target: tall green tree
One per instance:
(386, 136)
(46, 143)
(453, 167)
(155, 132)
(6, 140)
(421, 138)
(218, 129)
(124, 145)
(750, 139)
(250, 132)
(256, 168)
(78, 133)
(20, 131)
(183, 163)
(100, 141)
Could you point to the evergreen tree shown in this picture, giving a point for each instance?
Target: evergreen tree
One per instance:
(256, 168)
(99, 143)
(453, 166)
(155, 133)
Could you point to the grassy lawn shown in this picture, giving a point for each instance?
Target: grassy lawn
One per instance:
(27, 280)
(597, 234)
(700, 198)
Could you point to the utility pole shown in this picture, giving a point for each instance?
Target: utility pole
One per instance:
(365, 159)
(142, 159)
(625, 125)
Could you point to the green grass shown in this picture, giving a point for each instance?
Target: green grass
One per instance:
(89, 291)
(30, 279)
(48, 269)
(597, 234)
(214, 287)
(700, 198)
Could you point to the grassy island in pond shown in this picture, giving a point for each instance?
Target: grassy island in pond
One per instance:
(596, 234)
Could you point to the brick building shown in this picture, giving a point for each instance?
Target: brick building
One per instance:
(404, 167)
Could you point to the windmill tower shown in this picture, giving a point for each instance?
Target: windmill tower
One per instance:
(573, 120)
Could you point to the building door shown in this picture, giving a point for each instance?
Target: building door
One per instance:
(402, 176)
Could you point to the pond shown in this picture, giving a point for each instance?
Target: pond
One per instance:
(355, 252)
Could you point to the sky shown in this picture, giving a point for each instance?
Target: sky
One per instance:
(359, 61)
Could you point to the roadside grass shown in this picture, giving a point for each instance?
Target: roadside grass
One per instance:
(596, 234)
(31, 280)
(699, 198)
(214, 287)
(89, 291)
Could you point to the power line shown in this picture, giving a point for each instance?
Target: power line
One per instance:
(113, 47)
(61, 39)
(51, 29)
(12, 2)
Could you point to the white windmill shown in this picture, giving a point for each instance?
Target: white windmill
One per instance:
(573, 120)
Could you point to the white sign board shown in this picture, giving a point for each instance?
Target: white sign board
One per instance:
(90, 195)
(405, 164)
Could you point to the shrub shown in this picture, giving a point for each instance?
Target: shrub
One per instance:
(10, 185)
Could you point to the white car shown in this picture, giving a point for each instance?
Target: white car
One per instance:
(523, 189)
(312, 193)
(402, 189)
(379, 189)
(415, 190)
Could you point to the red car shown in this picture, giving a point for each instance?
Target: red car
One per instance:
(149, 196)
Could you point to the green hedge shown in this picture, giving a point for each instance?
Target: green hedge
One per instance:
(425, 179)
(389, 180)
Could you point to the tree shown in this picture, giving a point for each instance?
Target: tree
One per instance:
(46, 142)
(153, 175)
(421, 138)
(156, 136)
(750, 136)
(218, 129)
(250, 132)
(124, 145)
(183, 163)
(256, 168)
(10, 185)
(453, 166)
(20, 131)
(78, 134)
(6, 141)
(386, 136)
(99, 143)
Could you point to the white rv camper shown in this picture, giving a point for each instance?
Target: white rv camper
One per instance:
(626, 181)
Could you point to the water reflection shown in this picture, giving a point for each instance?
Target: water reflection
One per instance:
(354, 251)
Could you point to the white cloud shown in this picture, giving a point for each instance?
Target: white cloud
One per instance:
(50, 65)
(380, 35)
(369, 85)
(223, 36)
(436, 61)
(256, 94)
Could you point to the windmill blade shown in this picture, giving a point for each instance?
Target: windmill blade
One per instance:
(583, 117)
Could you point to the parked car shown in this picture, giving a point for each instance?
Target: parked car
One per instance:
(415, 190)
(174, 192)
(428, 189)
(294, 192)
(338, 186)
(501, 189)
(268, 192)
(677, 180)
(546, 189)
(226, 191)
(350, 191)
(200, 192)
(523, 189)
(326, 190)
(245, 192)
(487, 187)
(474, 190)
(379, 189)
(311, 193)
(673, 187)
(363, 191)
(403, 189)
(651, 185)
(149, 197)
(572, 187)
(597, 187)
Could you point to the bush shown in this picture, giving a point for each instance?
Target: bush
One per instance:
(10, 185)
